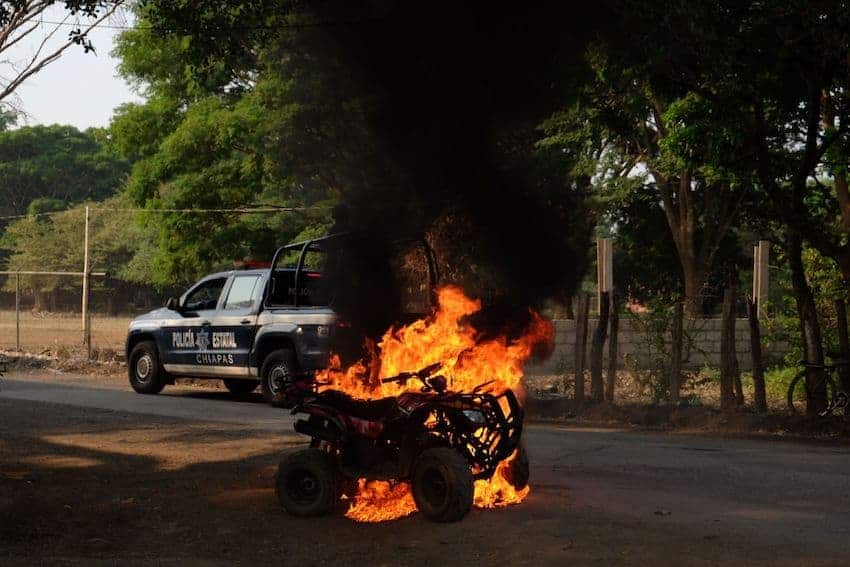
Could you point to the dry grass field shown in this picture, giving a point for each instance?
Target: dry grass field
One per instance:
(55, 332)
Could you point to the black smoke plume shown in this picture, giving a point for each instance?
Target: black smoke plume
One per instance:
(453, 177)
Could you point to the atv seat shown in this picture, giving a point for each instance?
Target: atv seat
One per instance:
(370, 410)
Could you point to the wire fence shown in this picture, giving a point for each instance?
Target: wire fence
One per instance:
(61, 293)
(46, 305)
(45, 315)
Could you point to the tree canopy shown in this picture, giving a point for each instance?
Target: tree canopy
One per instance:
(55, 167)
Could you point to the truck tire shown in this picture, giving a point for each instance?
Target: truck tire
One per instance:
(143, 367)
(240, 386)
(442, 485)
(278, 368)
(307, 483)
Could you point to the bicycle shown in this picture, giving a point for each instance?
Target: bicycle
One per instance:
(798, 394)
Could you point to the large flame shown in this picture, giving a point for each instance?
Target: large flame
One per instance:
(467, 359)
(382, 501)
(442, 337)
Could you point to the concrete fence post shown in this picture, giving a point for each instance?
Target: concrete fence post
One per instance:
(761, 261)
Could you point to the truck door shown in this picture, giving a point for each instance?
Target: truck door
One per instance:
(186, 339)
(235, 325)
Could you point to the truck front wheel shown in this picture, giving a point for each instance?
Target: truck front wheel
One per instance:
(278, 371)
(146, 375)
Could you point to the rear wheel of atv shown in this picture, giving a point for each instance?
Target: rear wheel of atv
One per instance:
(240, 386)
(307, 483)
(277, 372)
(442, 485)
(518, 471)
(146, 374)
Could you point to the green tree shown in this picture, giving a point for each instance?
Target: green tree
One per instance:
(639, 137)
(235, 132)
(778, 72)
(119, 243)
(56, 162)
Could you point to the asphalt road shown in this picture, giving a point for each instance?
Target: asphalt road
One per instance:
(757, 501)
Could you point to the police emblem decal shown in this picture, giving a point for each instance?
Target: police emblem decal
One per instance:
(202, 340)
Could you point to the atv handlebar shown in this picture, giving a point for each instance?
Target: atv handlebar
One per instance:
(425, 375)
(422, 374)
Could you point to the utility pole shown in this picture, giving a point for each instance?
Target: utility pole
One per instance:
(604, 270)
(86, 277)
(18, 312)
(761, 260)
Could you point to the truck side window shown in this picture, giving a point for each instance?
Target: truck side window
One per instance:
(242, 293)
(283, 282)
(312, 290)
(205, 296)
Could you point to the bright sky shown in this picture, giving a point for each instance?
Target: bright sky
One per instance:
(80, 88)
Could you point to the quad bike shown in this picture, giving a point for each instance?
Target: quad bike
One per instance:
(439, 441)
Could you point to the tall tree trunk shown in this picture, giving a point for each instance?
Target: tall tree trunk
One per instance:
(613, 348)
(597, 348)
(583, 309)
(810, 331)
(569, 312)
(728, 356)
(759, 394)
(736, 376)
(736, 373)
(843, 342)
(676, 336)
(39, 300)
(693, 284)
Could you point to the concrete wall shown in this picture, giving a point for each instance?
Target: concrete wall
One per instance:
(701, 345)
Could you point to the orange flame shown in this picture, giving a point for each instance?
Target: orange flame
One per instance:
(381, 501)
(468, 360)
(496, 491)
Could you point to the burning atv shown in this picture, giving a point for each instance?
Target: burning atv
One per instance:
(439, 441)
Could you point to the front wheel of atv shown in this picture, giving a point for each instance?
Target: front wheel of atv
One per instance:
(277, 372)
(518, 470)
(307, 483)
(442, 485)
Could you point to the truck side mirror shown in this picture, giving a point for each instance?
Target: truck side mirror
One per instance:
(172, 304)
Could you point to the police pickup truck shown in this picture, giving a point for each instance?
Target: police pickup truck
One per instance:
(245, 327)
